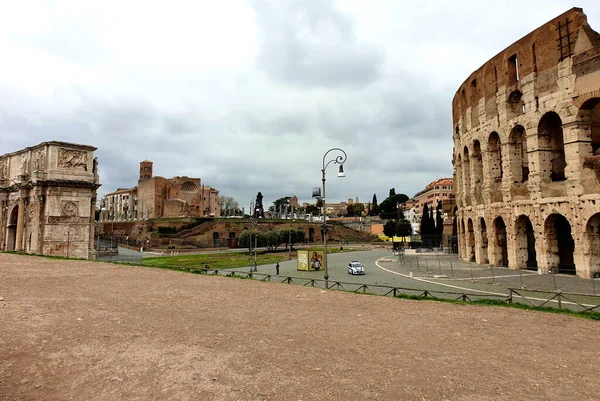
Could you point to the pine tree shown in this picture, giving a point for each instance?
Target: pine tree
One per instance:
(424, 226)
(392, 192)
(374, 210)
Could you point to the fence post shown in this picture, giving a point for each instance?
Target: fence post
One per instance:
(559, 299)
(510, 296)
(394, 292)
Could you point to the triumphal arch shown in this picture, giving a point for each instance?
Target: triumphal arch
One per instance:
(48, 198)
(526, 129)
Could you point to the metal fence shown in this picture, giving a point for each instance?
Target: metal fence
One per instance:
(578, 302)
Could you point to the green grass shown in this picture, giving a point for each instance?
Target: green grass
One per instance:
(502, 303)
(217, 261)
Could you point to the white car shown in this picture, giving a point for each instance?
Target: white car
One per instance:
(355, 267)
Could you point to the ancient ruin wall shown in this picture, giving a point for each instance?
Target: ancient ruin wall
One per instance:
(526, 129)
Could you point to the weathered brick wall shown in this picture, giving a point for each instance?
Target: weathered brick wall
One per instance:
(524, 125)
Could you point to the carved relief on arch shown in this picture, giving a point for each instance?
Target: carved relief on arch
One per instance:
(71, 158)
(3, 169)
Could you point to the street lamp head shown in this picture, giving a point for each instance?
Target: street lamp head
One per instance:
(341, 171)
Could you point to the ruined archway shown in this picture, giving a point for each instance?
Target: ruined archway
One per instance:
(467, 175)
(526, 257)
(495, 157)
(477, 171)
(499, 243)
(470, 241)
(462, 242)
(551, 147)
(560, 245)
(11, 229)
(454, 239)
(459, 177)
(592, 233)
(519, 161)
(589, 114)
(484, 242)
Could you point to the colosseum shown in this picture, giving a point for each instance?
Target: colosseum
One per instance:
(526, 130)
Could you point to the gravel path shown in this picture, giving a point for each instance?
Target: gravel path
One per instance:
(92, 331)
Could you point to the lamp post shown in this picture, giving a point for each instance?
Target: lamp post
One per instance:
(340, 159)
(252, 220)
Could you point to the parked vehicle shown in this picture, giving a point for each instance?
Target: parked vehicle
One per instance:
(355, 267)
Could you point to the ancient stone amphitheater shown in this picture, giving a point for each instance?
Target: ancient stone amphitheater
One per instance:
(527, 153)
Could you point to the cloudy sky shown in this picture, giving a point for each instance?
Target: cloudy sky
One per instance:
(249, 94)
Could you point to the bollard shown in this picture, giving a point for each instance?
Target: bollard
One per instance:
(410, 275)
(440, 265)
(554, 279)
(426, 266)
(418, 268)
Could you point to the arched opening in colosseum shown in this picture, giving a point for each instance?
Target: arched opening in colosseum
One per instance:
(592, 233)
(519, 163)
(551, 147)
(500, 246)
(459, 177)
(477, 170)
(470, 241)
(560, 245)
(463, 240)
(525, 244)
(495, 157)
(454, 239)
(467, 175)
(11, 230)
(484, 242)
(590, 113)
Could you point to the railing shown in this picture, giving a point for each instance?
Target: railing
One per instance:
(556, 299)
(373, 289)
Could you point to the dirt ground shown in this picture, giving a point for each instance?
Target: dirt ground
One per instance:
(74, 330)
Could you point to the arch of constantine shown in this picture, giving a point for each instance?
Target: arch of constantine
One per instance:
(527, 153)
(48, 199)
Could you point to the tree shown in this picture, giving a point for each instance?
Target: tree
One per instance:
(424, 226)
(389, 208)
(374, 210)
(358, 208)
(439, 220)
(291, 237)
(271, 239)
(403, 228)
(349, 211)
(280, 205)
(389, 228)
(392, 192)
(312, 209)
(228, 205)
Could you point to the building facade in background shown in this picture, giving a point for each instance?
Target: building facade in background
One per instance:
(48, 200)
(434, 192)
(527, 152)
(159, 197)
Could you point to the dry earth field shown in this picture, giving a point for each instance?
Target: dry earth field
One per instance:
(76, 330)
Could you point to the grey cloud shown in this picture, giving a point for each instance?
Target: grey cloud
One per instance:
(311, 43)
